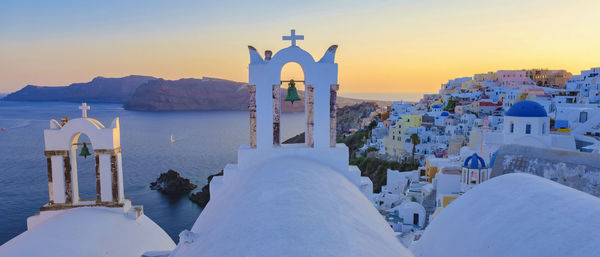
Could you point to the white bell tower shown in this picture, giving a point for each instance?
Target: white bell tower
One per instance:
(61, 153)
(320, 95)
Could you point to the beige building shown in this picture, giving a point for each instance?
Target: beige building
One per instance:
(490, 76)
(545, 77)
(393, 143)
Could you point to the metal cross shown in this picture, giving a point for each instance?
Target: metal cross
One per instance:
(84, 108)
(293, 37)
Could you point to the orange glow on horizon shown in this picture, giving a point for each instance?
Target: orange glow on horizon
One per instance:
(403, 47)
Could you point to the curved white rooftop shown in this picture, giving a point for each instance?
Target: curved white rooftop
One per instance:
(290, 207)
(89, 231)
(515, 215)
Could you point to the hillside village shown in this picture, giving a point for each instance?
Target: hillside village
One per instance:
(456, 136)
(411, 179)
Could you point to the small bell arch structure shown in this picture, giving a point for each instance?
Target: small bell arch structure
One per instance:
(321, 85)
(61, 154)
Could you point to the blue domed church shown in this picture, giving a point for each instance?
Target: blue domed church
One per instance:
(527, 123)
(474, 172)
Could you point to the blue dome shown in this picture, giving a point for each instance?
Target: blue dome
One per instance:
(436, 106)
(527, 108)
(444, 114)
(474, 162)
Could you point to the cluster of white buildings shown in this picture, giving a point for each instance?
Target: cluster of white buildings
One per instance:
(470, 119)
(475, 111)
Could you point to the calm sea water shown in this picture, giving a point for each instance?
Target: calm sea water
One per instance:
(204, 143)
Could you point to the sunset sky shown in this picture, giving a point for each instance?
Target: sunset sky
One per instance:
(403, 46)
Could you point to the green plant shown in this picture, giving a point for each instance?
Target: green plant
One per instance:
(372, 125)
(371, 149)
(415, 140)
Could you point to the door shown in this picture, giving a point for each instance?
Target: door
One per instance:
(416, 219)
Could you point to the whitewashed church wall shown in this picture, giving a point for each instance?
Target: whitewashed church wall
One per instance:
(105, 178)
(74, 174)
(58, 179)
(62, 139)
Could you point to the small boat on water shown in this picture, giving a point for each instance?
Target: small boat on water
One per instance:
(172, 140)
(3, 129)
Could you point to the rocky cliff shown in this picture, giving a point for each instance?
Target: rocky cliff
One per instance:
(347, 117)
(145, 93)
(100, 89)
(204, 94)
(189, 94)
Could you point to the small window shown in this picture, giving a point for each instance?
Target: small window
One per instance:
(512, 127)
(544, 128)
(528, 129)
(583, 116)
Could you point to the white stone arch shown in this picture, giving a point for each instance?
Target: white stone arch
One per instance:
(61, 156)
(320, 80)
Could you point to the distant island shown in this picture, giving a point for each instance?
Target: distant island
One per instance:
(145, 93)
(100, 89)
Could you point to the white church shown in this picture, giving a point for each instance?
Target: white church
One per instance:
(291, 200)
(525, 123)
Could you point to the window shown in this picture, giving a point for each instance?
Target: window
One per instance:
(583, 116)
(544, 128)
(512, 127)
(528, 129)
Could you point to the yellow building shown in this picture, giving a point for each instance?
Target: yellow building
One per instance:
(430, 170)
(434, 165)
(394, 143)
(447, 199)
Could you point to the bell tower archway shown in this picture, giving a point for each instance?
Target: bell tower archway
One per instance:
(320, 79)
(320, 95)
(61, 150)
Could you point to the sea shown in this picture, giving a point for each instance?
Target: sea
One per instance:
(204, 142)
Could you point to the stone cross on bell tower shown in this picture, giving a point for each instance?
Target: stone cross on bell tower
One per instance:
(84, 108)
(293, 37)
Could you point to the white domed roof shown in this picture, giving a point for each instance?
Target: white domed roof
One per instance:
(290, 207)
(89, 231)
(515, 215)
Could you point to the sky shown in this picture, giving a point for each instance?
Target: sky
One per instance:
(402, 46)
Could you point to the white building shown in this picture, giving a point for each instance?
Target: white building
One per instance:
(406, 217)
(518, 215)
(70, 226)
(586, 86)
(527, 123)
